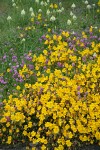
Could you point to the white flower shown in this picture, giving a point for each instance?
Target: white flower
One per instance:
(74, 17)
(69, 22)
(48, 1)
(31, 9)
(23, 40)
(88, 6)
(95, 27)
(62, 8)
(52, 18)
(86, 2)
(13, 4)
(59, 10)
(37, 1)
(73, 5)
(9, 18)
(32, 14)
(40, 10)
(73, 32)
(71, 13)
(48, 12)
(23, 12)
(45, 4)
(93, 5)
(42, 3)
(94, 55)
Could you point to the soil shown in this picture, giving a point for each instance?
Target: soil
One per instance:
(22, 147)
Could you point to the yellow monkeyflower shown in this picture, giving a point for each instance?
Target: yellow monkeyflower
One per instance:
(56, 129)
(68, 143)
(18, 87)
(8, 70)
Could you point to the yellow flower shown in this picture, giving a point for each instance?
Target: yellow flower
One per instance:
(8, 70)
(18, 87)
(43, 147)
(33, 133)
(9, 140)
(25, 133)
(68, 143)
(7, 124)
(56, 129)
(3, 129)
(30, 124)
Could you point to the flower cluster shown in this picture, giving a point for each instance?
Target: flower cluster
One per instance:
(61, 106)
(49, 85)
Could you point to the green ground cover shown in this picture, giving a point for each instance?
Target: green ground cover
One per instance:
(50, 73)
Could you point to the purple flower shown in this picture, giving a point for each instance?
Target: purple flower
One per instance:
(84, 58)
(4, 57)
(78, 88)
(2, 81)
(73, 64)
(1, 104)
(31, 67)
(21, 80)
(1, 96)
(40, 40)
(59, 64)
(46, 61)
(14, 58)
(78, 93)
(44, 67)
(29, 58)
(43, 37)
